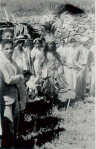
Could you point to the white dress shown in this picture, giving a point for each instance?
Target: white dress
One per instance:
(37, 57)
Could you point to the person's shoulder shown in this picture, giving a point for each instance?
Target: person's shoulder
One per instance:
(59, 48)
(92, 48)
(13, 62)
(15, 51)
(79, 47)
(33, 50)
(2, 64)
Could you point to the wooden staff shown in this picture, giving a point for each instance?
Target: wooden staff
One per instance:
(13, 18)
(7, 17)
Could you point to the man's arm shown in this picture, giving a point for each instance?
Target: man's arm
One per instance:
(1, 87)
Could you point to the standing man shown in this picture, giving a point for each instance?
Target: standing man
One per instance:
(61, 49)
(6, 34)
(82, 73)
(28, 67)
(1, 100)
(91, 70)
(13, 82)
(74, 56)
(18, 55)
(69, 64)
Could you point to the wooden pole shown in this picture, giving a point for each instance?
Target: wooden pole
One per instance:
(6, 13)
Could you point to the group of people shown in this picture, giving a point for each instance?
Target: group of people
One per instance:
(24, 61)
(78, 63)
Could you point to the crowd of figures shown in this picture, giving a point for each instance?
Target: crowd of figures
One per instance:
(27, 65)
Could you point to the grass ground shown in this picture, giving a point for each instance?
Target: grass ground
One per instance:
(79, 123)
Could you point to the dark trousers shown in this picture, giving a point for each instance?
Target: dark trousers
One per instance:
(9, 128)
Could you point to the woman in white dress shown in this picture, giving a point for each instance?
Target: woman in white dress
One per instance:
(37, 56)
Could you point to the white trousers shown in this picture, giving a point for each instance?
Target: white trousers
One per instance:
(70, 77)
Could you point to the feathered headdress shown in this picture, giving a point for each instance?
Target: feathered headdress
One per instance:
(48, 32)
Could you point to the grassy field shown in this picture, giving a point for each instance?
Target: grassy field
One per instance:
(38, 7)
(79, 124)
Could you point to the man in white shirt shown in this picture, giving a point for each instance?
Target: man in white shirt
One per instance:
(70, 64)
(61, 49)
(82, 73)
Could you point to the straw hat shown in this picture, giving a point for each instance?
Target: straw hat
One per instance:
(20, 38)
(72, 40)
(37, 40)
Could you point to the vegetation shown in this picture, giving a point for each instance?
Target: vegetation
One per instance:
(38, 7)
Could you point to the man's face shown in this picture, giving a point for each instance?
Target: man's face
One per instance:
(62, 43)
(37, 44)
(50, 46)
(8, 35)
(20, 45)
(8, 50)
(74, 44)
(86, 44)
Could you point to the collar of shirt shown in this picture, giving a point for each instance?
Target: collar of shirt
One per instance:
(4, 59)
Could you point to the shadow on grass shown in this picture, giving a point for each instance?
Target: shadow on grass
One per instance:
(39, 140)
(38, 124)
(38, 107)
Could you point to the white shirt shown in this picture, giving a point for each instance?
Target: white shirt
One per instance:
(18, 57)
(61, 50)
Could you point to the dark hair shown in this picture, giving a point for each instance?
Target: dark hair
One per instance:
(72, 40)
(18, 42)
(8, 30)
(29, 43)
(7, 41)
(47, 49)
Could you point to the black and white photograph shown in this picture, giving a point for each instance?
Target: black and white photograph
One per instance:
(47, 74)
